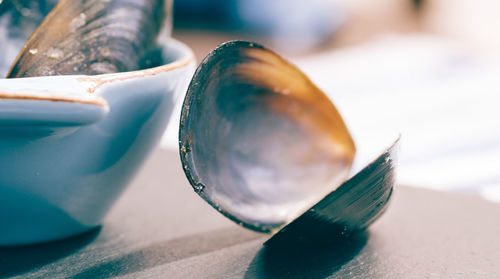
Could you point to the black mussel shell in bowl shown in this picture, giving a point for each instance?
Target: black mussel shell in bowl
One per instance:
(267, 148)
(95, 37)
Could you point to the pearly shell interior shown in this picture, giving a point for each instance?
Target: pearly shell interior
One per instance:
(258, 140)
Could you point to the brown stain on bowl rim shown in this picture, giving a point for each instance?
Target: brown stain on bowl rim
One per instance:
(96, 101)
(99, 80)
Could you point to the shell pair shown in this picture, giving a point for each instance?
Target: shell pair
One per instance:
(266, 148)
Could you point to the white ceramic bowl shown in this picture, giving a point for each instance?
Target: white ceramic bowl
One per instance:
(69, 145)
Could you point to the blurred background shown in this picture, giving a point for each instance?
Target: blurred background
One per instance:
(429, 70)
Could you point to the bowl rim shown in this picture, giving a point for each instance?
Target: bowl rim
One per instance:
(177, 53)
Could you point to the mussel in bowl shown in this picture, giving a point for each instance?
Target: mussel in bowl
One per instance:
(70, 142)
(263, 145)
(95, 37)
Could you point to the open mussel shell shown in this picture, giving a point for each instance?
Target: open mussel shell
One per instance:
(262, 144)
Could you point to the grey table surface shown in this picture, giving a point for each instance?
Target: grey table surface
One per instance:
(160, 228)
